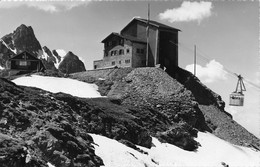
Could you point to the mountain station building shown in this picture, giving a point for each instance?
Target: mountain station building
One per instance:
(128, 48)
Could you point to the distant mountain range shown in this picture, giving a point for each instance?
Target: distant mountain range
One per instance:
(23, 38)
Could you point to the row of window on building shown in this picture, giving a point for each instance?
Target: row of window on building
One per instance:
(121, 52)
(120, 62)
(113, 43)
(22, 63)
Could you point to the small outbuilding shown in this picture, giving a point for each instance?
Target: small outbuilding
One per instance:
(26, 62)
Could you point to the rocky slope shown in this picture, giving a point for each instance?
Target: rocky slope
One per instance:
(140, 103)
(33, 133)
(23, 38)
(167, 102)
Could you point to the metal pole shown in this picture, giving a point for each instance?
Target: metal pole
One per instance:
(195, 60)
(147, 36)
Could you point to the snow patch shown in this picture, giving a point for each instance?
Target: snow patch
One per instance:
(62, 53)
(13, 50)
(55, 85)
(50, 165)
(115, 154)
(44, 55)
(213, 152)
(57, 63)
(2, 68)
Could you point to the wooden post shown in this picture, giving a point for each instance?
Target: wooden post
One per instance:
(147, 37)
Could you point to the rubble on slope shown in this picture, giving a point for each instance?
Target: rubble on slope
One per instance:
(161, 101)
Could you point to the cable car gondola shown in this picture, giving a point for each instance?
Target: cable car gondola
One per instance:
(237, 97)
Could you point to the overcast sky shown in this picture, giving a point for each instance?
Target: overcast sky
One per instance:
(226, 35)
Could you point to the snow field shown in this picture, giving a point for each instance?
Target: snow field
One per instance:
(213, 152)
(55, 85)
(115, 154)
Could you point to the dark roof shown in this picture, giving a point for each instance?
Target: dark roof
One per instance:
(18, 56)
(131, 38)
(153, 23)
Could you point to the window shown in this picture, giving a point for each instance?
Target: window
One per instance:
(113, 52)
(113, 43)
(127, 50)
(142, 51)
(109, 43)
(121, 41)
(95, 66)
(113, 63)
(23, 63)
(127, 61)
(119, 61)
(121, 52)
(137, 50)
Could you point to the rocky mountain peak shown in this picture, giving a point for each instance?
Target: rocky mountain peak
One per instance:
(70, 53)
(71, 64)
(24, 27)
(23, 38)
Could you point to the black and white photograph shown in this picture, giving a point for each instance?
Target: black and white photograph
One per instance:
(128, 83)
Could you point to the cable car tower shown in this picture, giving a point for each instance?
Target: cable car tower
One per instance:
(237, 97)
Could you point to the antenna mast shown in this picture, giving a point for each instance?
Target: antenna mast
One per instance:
(147, 35)
(195, 60)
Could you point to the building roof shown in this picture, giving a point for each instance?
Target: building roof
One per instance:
(133, 39)
(19, 56)
(152, 23)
